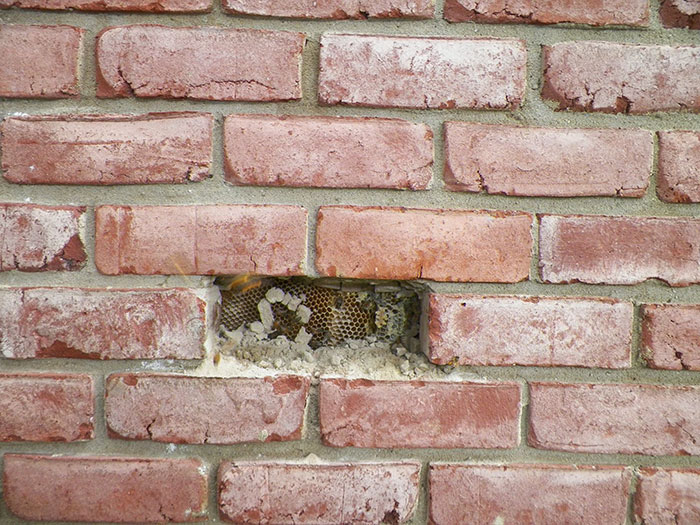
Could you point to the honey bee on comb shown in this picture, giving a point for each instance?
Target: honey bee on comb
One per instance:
(240, 283)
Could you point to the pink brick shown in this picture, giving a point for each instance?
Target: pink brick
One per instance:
(442, 245)
(46, 407)
(335, 9)
(261, 492)
(615, 418)
(419, 414)
(267, 150)
(547, 162)
(162, 6)
(607, 76)
(102, 324)
(619, 250)
(186, 409)
(107, 149)
(198, 63)
(409, 72)
(99, 489)
(223, 239)
(36, 238)
(668, 496)
(617, 12)
(680, 13)
(671, 336)
(679, 166)
(39, 61)
(536, 331)
(462, 494)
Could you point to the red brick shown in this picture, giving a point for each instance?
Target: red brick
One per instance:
(512, 160)
(668, 496)
(619, 250)
(208, 240)
(186, 409)
(185, 62)
(680, 13)
(335, 9)
(419, 414)
(537, 331)
(97, 489)
(606, 76)
(615, 418)
(39, 61)
(679, 166)
(442, 245)
(409, 72)
(162, 6)
(260, 492)
(46, 407)
(102, 324)
(36, 238)
(617, 12)
(107, 149)
(671, 336)
(462, 494)
(267, 150)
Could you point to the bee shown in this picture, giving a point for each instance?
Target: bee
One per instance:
(241, 283)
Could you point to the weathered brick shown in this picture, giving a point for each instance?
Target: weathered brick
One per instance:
(186, 409)
(102, 324)
(185, 62)
(409, 72)
(223, 239)
(107, 149)
(671, 336)
(418, 414)
(615, 418)
(442, 245)
(680, 13)
(537, 331)
(96, 489)
(335, 9)
(514, 160)
(617, 12)
(678, 179)
(612, 77)
(268, 150)
(259, 492)
(46, 407)
(668, 496)
(149, 6)
(619, 250)
(462, 494)
(36, 238)
(39, 61)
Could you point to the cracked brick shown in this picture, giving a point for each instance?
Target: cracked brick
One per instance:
(668, 495)
(671, 336)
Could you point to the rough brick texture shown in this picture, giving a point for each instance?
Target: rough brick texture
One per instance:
(462, 494)
(149, 6)
(680, 13)
(385, 71)
(671, 336)
(442, 245)
(268, 240)
(334, 494)
(182, 409)
(615, 418)
(36, 238)
(536, 331)
(611, 77)
(618, 12)
(619, 250)
(668, 496)
(415, 414)
(107, 149)
(102, 324)
(267, 150)
(39, 61)
(158, 61)
(96, 489)
(335, 9)
(46, 407)
(547, 162)
(679, 166)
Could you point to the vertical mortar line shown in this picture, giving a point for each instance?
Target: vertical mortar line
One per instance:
(89, 240)
(654, 18)
(213, 492)
(633, 483)
(651, 192)
(420, 515)
(524, 415)
(533, 109)
(217, 148)
(311, 227)
(87, 64)
(100, 416)
(439, 10)
(311, 432)
(438, 129)
(310, 69)
(535, 252)
(637, 360)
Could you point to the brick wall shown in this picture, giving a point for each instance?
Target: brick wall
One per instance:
(537, 164)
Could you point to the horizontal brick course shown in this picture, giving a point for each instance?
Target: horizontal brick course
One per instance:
(334, 9)
(671, 336)
(148, 6)
(678, 179)
(680, 13)
(668, 496)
